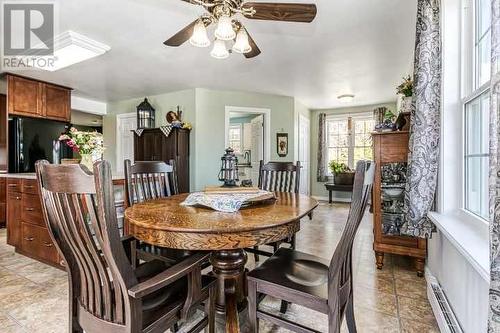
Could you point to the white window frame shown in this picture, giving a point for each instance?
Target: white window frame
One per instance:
(239, 127)
(469, 87)
(351, 137)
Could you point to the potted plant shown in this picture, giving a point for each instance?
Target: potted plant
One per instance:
(88, 144)
(342, 174)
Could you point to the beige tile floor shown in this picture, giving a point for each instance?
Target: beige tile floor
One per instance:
(33, 296)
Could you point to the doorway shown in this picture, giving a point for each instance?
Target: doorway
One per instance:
(247, 132)
(125, 124)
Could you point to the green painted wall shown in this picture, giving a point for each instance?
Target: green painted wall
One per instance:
(210, 115)
(205, 109)
(318, 189)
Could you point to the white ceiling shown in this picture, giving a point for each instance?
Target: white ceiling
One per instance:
(362, 47)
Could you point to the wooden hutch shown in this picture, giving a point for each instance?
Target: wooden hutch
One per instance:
(154, 144)
(391, 156)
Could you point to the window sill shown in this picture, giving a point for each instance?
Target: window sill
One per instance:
(470, 237)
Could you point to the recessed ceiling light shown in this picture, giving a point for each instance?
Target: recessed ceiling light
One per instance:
(346, 98)
(71, 48)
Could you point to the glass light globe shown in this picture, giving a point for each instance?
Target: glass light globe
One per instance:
(200, 37)
(219, 51)
(224, 29)
(242, 45)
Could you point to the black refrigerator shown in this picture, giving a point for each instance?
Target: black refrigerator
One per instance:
(32, 139)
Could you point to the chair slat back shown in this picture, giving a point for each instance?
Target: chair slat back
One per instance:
(279, 176)
(147, 180)
(340, 270)
(83, 225)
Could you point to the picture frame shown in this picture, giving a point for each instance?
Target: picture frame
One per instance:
(282, 144)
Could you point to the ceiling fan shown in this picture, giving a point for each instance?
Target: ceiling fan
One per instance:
(229, 28)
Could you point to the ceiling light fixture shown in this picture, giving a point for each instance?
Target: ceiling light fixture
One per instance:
(200, 37)
(71, 48)
(225, 29)
(224, 14)
(242, 45)
(219, 51)
(346, 98)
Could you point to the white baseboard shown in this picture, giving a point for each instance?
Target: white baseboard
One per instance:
(319, 198)
(442, 310)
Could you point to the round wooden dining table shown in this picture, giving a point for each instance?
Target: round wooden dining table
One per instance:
(166, 223)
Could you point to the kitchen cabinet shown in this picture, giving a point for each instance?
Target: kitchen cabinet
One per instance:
(32, 98)
(26, 228)
(3, 201)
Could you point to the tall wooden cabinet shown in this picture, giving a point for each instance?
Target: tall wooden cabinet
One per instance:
(154, 145)
(391, 156)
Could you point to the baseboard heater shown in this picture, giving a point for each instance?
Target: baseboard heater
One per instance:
(445, 317)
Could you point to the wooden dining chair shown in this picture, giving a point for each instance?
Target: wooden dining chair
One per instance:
(148, 180)
(277, 177)
(106, 294)
(310, 281)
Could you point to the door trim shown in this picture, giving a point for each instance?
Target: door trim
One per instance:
(119, 118)
(267, 126)
(303, 119)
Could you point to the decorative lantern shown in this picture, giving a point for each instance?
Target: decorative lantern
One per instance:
(145, 115)
(229, 168)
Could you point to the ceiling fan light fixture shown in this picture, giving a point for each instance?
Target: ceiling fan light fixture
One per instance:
(200, 37)
(225, 29)
(219, 51)
(242, 45)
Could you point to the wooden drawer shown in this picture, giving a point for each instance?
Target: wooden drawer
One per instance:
(32, 209)
(30, 186)
(36, 242)
(14, 185)
(3, 212)
(3, 190)
(47, 250)
(30, 240)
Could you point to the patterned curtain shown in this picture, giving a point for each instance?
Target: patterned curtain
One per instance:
(494, 188)
(423, 157)
(321, 175)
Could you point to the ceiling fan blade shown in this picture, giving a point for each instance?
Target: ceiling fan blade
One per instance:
(182, 36)
(292, 12)
(255, 49)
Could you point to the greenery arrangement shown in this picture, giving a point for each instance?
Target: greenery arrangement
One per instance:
(337, 167)
(389, 115)
(406, 87)
(83, 142)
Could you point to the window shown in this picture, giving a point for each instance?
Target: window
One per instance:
(476, 103)
(349, 139)
(235, 137)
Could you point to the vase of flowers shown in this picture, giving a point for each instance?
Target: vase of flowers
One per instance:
(405, 89)
(88, 144)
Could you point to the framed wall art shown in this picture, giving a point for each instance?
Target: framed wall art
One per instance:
(282, 144)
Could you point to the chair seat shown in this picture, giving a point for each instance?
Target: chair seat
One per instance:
(162, 296)
(170, 297)
(295, 270)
